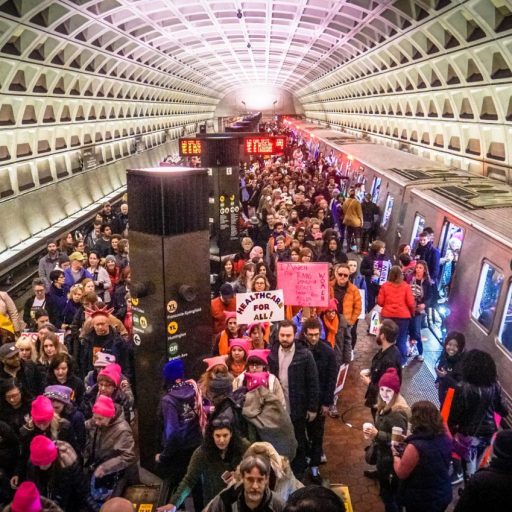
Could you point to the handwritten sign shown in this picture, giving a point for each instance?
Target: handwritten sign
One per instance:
(33, 336)
(259, 307)
(304, 284)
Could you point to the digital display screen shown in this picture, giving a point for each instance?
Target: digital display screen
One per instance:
(264, 145)
(190, 147)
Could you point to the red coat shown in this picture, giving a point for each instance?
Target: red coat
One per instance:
(217, 309)
(396, 300)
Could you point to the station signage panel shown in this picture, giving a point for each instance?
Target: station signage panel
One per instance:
(264, 145)
(190, 147)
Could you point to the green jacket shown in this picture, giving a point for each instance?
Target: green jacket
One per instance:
(208, 471)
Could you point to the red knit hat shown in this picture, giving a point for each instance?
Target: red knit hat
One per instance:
(104, 406)
(43, 451)
(390, 380)
(42, 409)
(27, 499)
(112, 372)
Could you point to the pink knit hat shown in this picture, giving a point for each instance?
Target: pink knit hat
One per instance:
(228, 315)
(42, 409)
(255, 380)
(112, 372)
(263, 326)
(27, 499)
(259, 353)
(215, 361)
(43, 451)
(333, 305)
(243, 343)
(104, 406)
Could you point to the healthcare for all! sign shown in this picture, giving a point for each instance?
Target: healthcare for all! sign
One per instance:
(304, 284)
(259, 307)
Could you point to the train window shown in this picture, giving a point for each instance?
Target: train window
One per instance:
(450, 244)
(387, 211)
(505, 335)
(487, 293)
(376, 188)
(419, 226)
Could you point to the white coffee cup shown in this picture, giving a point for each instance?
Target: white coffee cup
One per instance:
(365, 373)
(397, 435)
(366, 426)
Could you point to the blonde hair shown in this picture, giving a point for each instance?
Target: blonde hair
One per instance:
(27, 342)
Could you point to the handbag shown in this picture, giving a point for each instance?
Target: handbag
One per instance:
(370, 454)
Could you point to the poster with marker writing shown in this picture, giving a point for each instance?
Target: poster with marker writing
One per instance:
(259, 307)
(304, 284)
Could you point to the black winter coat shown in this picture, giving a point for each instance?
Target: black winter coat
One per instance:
(489, 489)
(382, 360)
(303, 383)
(30, 379)
(325, 360)
(473, 408)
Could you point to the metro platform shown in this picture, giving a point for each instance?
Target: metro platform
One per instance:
(344, 442)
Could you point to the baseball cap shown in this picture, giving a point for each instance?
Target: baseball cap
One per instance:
(76, 256)
(8, 350)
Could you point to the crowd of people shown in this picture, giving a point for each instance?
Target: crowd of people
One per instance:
(248, 434)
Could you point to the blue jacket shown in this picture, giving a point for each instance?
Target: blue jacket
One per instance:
(56, 300)
(431, 256)
(297, 320)
(69, 280)
(325, 360)
(429, 483)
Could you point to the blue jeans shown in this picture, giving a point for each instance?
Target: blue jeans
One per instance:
(403, 334)
(415, 331)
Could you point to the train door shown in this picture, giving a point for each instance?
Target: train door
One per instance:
(418, 227)
(450, 245)
(388, 208)
(505, 332)
(375, 190)
(487, 295)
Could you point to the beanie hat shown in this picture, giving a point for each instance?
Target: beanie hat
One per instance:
(43, 451)
(263, 325)
(112, 372)
(229, 315)
(27, 499)
(102, 359)
(256, 379)
(60, 393)
(242, 343)
(174, 370)
(503, 445)
(42, 409)
(222, 383)
(333, 305)
(215, 361)
(226, 290)
(390, 380)
(104, 406)
(259, 353)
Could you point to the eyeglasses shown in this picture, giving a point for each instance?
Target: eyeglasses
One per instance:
(339, 274)
(13, 396)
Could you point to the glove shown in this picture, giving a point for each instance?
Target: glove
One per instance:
(310, 416)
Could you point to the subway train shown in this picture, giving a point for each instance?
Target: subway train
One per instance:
(471, 218)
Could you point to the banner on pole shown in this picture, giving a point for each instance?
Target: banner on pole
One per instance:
(259, 307)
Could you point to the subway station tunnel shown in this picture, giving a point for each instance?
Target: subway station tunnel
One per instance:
(116, 77)
(90, 88)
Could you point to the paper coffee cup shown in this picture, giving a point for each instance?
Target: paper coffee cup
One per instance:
(365, 427)
(365, 373)
(397, 435)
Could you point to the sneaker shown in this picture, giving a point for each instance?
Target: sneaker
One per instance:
(323, 459)
(457, 478)
(420, 358)
(333, 412)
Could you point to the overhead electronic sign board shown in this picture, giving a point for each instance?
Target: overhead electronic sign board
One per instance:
(264, 145)
(190, 147)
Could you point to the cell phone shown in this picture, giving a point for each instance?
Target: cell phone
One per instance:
(226, 476)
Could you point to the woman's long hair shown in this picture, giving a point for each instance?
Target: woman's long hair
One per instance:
(235, 447)
(426, 419)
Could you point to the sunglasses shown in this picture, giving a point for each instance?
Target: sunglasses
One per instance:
(221, 423)
(339, 274)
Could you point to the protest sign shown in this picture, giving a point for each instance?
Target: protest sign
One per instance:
(304, 284)
(363, 304)
(259, 307)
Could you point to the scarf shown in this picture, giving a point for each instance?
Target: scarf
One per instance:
(332, 328)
